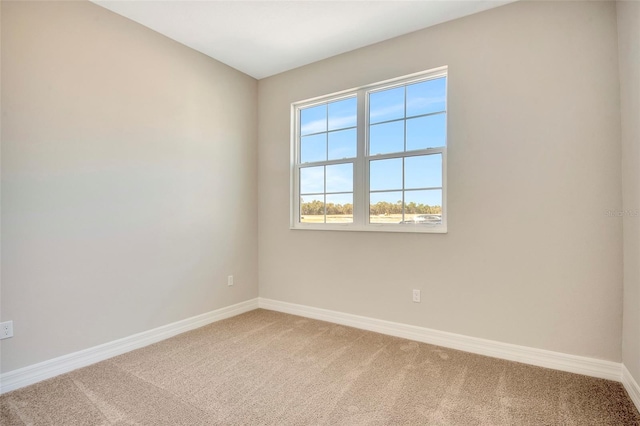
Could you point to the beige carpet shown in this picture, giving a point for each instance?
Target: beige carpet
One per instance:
(268, 368)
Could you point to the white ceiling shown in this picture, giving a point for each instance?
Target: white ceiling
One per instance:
(263, 38)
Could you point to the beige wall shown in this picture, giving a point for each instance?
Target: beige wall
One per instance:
(629, 54)
(128, 180)
(531, 257)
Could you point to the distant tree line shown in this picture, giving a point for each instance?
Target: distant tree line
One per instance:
(380, 208)
(316, 207)
(383, 207)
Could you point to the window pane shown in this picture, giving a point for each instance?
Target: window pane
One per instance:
(386, 105)
(424, 171)
(385, 174)
(427, 132)
(342, 114)
(313, 148)
(342, 144)
(423, 206)
(312, 180)
(385, 207)
(340, 208)
(340, 178)
(312, 209)
(426, 97)
(313, 120)
(386, 138)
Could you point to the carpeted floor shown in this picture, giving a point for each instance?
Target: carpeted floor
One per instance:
(269, 368)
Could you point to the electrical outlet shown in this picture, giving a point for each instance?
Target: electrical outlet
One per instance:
(6, 329)
(416, 295)
(230, 280)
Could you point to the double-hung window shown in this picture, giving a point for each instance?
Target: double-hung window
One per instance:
(373, 158)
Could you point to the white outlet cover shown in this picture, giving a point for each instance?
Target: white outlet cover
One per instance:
(6, 329)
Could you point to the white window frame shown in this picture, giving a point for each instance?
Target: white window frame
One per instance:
(361, 161)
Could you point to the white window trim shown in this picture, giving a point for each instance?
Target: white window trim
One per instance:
(361, 162)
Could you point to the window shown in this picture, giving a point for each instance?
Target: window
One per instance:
(373, 158)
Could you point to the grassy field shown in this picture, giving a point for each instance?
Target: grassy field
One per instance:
(392, 218)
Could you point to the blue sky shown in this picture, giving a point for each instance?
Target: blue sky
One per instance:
(422, 98)
(336, 115)
(423, 171)
(339, 178)
(427, 97)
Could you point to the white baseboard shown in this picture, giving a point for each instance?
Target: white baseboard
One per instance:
(44, 370)
(540, 357)
(632, 387)
(559, 361)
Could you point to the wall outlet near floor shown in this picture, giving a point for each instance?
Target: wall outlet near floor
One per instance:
(230, 280)
(416, 295)
(6, 329)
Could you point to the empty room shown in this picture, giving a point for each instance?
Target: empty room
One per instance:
(320, 212)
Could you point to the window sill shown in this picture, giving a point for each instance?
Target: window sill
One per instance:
(406, 228)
